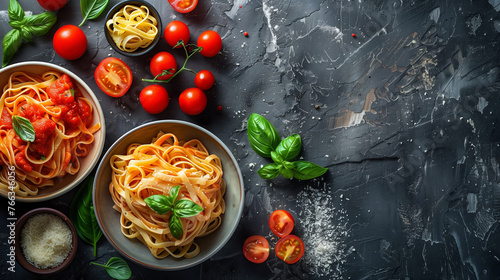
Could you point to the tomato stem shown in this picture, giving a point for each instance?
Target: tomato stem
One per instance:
(168, 72)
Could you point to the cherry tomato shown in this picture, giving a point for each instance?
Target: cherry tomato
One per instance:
(193, 101)
(163, 61)
(154, 99)
(70, 42)
(290, 249)
(52, 5)
(256, 249)
(281, 223)
(175, 31)
(204, 80)
(211, 43)
(183, 6)
(113, 76)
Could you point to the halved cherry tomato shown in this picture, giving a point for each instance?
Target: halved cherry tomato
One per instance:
(281, 223)
(183, 6)
(52, 5)
(176, 31)
(256, 249)
(290, 249)
(163, 61)
(154, 99)
(193, 101)
(211, 43)
(204, 80)
(113, 76)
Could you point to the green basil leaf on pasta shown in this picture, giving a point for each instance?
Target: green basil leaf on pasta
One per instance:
(159, 203)
(23, 128)
(185, 208)
(174, 192)
(175, 226)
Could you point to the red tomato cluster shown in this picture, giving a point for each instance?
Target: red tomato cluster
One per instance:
(163, 66)
(289, 248)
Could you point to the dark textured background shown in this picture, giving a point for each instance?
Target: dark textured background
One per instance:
(406, 123)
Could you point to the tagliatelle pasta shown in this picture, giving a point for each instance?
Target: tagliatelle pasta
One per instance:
(61, 119)
(150, 169)
(132, 27)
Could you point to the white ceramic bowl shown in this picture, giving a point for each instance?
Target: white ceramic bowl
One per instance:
(109, 219)
(68, 182)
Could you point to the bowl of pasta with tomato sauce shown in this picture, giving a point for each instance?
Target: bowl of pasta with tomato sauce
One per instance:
(51, 131)
(168, 195)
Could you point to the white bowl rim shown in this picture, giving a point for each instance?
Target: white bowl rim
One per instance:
(97, 106)
(233, 227)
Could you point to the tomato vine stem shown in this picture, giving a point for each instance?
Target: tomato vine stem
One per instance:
(169, 71)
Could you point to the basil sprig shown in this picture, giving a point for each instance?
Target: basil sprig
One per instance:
(91, 9)
(266, 142)
(116, 268)
(23, 128)
(182, 208)
(24, 28)
(82, 214)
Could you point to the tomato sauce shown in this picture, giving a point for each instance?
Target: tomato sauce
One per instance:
(62, 90)
(6, 120)
(31, 111)
(45, 130)
(21, 161)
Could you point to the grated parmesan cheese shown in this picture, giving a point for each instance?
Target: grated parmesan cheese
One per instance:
(46, 240)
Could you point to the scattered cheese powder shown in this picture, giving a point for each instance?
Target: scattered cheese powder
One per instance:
(46, 240)
(325, 231)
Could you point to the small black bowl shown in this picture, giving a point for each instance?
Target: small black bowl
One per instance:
(21, 259)
(152, 11)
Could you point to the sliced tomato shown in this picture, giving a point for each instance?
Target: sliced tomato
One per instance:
(256, 249)
(183, 6)
(113, 76)
(290, 249)
(281, 223)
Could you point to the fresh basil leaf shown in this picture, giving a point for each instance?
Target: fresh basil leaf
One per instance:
(118, 268)
(82, 214)
(185, 208)
(304, 170)
(174, 192)
(12, 41)
(262, 135)
(16, 24)
(288, 164)
(159, 203)
(289, 148)
(91, 9)
(40, 24)
(16, 12)
(23, 128)
(175, 226)
(285, 172)
(269, 171)
(276, 157)
(26, 33)
(96, 230)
